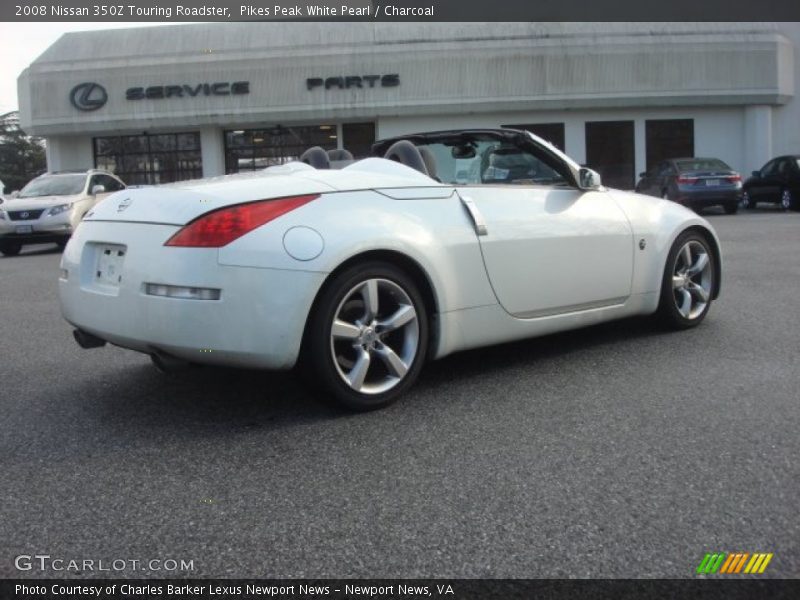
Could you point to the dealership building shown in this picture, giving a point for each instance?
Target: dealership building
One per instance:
(168, 103)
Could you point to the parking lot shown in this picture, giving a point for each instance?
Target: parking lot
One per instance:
(619, 451)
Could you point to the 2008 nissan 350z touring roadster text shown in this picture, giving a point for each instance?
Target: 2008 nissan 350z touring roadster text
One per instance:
(450, 240)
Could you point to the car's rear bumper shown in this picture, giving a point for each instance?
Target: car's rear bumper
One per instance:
(258, 320)
(709, 198)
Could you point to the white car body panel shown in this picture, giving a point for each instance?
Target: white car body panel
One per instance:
(545, 248)
(551, 260)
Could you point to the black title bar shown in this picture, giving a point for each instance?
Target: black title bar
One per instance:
(399, 10)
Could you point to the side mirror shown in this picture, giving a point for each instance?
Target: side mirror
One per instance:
(15, 194)
(756, 173)
(588, 179)
(98, 189)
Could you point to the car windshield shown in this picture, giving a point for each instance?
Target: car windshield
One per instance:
(54, 185)
(702, 164)
(489, 161)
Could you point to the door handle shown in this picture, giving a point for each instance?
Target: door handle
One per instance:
(477, 218)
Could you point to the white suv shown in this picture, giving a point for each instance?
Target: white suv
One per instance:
(49, 208)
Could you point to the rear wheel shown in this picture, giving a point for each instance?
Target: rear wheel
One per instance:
(688, 282)
(368, 336)
(786, 199)
(731, 208)
(10, 248)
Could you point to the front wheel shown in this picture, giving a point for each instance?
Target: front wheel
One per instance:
(10, 248)
(368, 336)
(747, 201)
(688, 282)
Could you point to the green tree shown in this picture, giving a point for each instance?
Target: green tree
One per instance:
(21, 156)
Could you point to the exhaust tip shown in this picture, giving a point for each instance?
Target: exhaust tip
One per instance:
(168, 364)
(87, 340)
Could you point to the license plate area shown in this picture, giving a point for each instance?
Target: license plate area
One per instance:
(712, 182)
(24, 229)
(103, 267)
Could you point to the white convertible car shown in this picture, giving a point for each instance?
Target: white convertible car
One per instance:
(449, 241)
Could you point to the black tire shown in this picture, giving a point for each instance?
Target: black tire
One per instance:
(747, 201)
(668, 312)
(787, 200)
(731, 208)
(10, 248)
(327, 365)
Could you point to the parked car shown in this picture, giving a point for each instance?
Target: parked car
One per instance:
(362, 274)
(777, 182)
(694, 182)
(50, 207)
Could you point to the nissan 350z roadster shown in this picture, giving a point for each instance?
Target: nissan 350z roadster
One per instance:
(360, 274)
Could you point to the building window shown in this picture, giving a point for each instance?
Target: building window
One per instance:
(552, 132)
(252, 149)
(668, 138)
(609, 151)
(358, 138)
(148, 159)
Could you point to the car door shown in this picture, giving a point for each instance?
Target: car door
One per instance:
(666, 178)
(784, 176)
(794, 177)
(766, 187)
(552, 249)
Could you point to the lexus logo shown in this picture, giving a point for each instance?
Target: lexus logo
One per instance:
(25, 214)
(88, 96)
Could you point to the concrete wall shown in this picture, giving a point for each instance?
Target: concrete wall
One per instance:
(736, 80)
(786, 118)
(69, 152)
(447, 67)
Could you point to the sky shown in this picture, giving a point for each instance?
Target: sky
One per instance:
(21, 43)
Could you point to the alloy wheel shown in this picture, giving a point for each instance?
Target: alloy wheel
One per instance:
(786, 200)
(374, 336)
(692, 279)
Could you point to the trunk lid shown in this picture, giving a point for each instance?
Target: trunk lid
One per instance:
(177, 204)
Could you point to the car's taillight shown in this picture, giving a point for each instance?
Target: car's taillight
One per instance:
(687, 180)
(220, 227)
(735, 178)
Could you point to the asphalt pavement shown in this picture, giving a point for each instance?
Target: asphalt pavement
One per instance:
(617, 451)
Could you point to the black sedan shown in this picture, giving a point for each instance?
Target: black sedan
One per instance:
(778, 182)
(694, 182)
